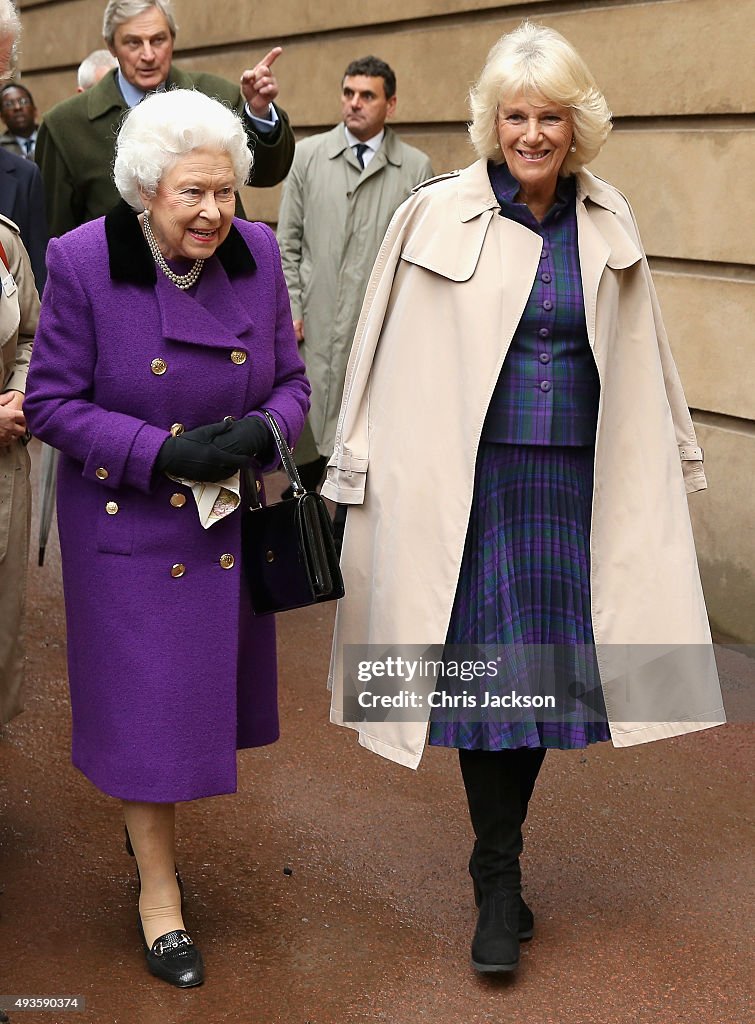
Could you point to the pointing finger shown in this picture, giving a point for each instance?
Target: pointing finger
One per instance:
(272, 56)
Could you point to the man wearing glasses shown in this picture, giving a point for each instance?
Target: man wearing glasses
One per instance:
(22, 196)
(19, 115)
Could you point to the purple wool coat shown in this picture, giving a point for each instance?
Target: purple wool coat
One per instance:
(169, 674)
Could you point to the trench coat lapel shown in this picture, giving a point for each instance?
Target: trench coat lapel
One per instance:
(186, 319)
(602, 242)
(594, 251)
(452, 249)
(389, 153)
(517, 264)
(375, 166)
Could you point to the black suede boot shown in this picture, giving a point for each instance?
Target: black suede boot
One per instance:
(499, 785)
(528, 762)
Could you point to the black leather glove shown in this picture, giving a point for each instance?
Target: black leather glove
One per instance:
(194, 456)
(250, 437)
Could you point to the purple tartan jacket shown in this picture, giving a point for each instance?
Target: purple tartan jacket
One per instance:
(548, 390)
(169, 674)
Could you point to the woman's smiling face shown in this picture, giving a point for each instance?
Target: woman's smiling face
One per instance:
(534, 136)
(192, 212)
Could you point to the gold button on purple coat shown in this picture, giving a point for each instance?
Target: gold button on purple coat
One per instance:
(158, 367)
(101, 473)
(111, 508)
(177, 429)
(238, 356)
(178, 500)
(227, 561)
(177, 570)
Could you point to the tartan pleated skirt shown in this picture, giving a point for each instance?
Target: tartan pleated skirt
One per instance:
(523, 602)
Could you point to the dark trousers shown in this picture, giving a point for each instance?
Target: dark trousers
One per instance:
(499, 784)
(311, 473)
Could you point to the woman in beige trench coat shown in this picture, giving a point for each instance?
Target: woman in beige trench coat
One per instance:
(19, 311)
(515, 448)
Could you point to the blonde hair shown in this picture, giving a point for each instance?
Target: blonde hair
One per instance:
(535, 61)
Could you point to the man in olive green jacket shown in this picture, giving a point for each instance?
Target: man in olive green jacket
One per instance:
(76, 142)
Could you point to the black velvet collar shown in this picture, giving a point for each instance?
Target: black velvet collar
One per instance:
(131, 260)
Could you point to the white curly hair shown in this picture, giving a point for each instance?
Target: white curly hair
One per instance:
(166, 126)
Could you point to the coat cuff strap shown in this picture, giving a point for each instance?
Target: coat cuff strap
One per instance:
(690, 453)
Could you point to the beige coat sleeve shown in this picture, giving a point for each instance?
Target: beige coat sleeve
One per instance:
(690, 453)
(290, 233)
(18, 299)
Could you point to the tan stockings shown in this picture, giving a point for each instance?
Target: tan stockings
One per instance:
(151, 828)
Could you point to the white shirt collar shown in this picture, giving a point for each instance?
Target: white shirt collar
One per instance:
(373, 143)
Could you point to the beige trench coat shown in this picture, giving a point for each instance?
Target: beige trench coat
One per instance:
(448, 289)
(19, 311)
(333, 217)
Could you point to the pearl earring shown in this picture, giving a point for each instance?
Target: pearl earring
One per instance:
(573, 148)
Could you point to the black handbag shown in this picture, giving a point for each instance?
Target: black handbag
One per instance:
(288, 551)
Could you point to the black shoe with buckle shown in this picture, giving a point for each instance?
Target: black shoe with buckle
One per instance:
(495, 946)
(174, 958)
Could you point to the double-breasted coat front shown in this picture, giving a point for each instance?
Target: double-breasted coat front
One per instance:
(169, 670)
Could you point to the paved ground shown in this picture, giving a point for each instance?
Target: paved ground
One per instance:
(637, 865)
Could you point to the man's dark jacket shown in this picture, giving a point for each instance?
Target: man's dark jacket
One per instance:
(22, 198)
(76, 146)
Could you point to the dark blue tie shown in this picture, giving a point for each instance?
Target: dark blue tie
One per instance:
(360, 149)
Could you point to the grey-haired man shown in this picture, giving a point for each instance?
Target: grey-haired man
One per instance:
(76, 142)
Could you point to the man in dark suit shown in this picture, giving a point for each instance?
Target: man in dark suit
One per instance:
(19, 115)
(22, 199)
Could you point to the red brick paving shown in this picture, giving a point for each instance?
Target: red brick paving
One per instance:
(637, 865)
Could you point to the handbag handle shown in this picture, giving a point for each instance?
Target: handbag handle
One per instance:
(287, 462)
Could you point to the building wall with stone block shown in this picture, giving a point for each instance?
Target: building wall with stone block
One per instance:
(680, 79)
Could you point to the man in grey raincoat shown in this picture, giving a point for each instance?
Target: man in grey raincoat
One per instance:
(344, 186)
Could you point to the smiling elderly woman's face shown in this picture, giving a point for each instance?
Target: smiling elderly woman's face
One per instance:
(192, 210)
(534, 135)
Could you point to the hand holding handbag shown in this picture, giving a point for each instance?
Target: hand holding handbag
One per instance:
(288, 551)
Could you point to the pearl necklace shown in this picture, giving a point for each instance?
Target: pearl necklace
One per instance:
(182, 281)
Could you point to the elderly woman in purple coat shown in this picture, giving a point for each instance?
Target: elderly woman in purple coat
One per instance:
(164, 332)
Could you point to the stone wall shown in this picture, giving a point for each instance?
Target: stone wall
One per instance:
(680, 80)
